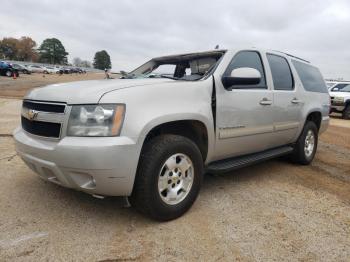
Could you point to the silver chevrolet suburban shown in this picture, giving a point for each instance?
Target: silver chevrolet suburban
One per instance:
(153, 133)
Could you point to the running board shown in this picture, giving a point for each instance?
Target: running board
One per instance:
(230, 164)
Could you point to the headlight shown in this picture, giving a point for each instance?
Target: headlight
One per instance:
(96, 120)
(339, 99)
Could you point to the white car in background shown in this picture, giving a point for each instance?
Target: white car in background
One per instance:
(340, 98)
(50, 70)
(330, 84)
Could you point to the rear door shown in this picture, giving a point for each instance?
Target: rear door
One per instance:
(287, 100)
(244, 113)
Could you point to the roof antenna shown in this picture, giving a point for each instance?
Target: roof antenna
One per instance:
(217, 47)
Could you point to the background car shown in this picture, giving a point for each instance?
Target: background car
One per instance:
(50, 70)
(340, 98)
(35, 68)
(7, 70)
(21, 69)
(330, 84)
(64, 70)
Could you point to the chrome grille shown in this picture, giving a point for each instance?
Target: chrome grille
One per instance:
(43, 118)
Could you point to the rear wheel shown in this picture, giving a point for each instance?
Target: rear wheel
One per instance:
(346, 112)
(306, 145)
(169, 177)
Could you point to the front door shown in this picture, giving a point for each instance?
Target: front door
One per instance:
(244, 114)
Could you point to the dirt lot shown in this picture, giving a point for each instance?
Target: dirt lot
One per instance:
(17, 88)
(274, 211)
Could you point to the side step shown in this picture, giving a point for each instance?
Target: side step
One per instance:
(230, 164)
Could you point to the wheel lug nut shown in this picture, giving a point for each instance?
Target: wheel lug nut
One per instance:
(169, 181)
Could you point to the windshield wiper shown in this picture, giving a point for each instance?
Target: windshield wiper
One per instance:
(169, 77)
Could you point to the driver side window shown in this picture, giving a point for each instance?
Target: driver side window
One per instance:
(250, 59)
(165, 69)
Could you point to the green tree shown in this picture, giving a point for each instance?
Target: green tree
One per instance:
(53, 52)
(102, 60)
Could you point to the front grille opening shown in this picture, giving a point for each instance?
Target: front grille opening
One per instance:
(51, 108)
(40, 128)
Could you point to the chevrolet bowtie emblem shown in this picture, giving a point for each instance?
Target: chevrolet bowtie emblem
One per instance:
(32, 114)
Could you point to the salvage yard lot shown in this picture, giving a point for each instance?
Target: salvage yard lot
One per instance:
(17, 88)
(271, 211)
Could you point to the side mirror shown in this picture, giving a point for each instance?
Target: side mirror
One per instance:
(242, 76)
(335, 89)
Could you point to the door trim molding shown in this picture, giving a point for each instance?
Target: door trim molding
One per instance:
(286, 125)
(230, 132)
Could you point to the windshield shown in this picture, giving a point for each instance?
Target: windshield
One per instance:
(189, 67)
(341, 88)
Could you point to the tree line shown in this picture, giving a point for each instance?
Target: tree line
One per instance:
(51, 51)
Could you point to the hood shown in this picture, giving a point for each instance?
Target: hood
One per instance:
(340, 94)
(87, 92)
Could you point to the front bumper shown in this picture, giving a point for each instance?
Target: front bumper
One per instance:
(95, 165)
(338, 107)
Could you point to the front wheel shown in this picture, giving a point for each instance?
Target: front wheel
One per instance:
(346, 112)
(8, 73)
(306, 145)
(169, 177)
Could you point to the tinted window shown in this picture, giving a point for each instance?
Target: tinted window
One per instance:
(248, 59)
(311, 77)
(341, 88)
(281, 74)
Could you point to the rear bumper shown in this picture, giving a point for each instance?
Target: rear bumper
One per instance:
(324, 124)
(98, 165)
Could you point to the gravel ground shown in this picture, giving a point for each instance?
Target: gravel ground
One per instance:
(274, 211)
(17, 88)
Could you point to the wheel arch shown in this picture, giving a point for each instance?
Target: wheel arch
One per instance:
(194, 129)
(316, 117)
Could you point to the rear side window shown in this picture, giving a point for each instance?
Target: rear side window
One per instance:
(281, 74)
(311, 77)
(248, 59)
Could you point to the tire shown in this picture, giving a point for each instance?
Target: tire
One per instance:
(303, 153)
(160, 160)
(8, 73)
(346, 112)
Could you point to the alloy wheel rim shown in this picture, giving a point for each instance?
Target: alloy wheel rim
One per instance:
(309, 143)
(175, 179)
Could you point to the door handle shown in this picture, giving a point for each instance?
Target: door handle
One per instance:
(296, 101)
(265, 102)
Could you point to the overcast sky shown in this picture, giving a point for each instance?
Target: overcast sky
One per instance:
(135, 31)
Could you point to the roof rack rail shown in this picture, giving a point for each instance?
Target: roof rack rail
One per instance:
(293, 56)
(298, 58)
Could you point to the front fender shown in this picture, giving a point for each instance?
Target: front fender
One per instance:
(180, 117)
